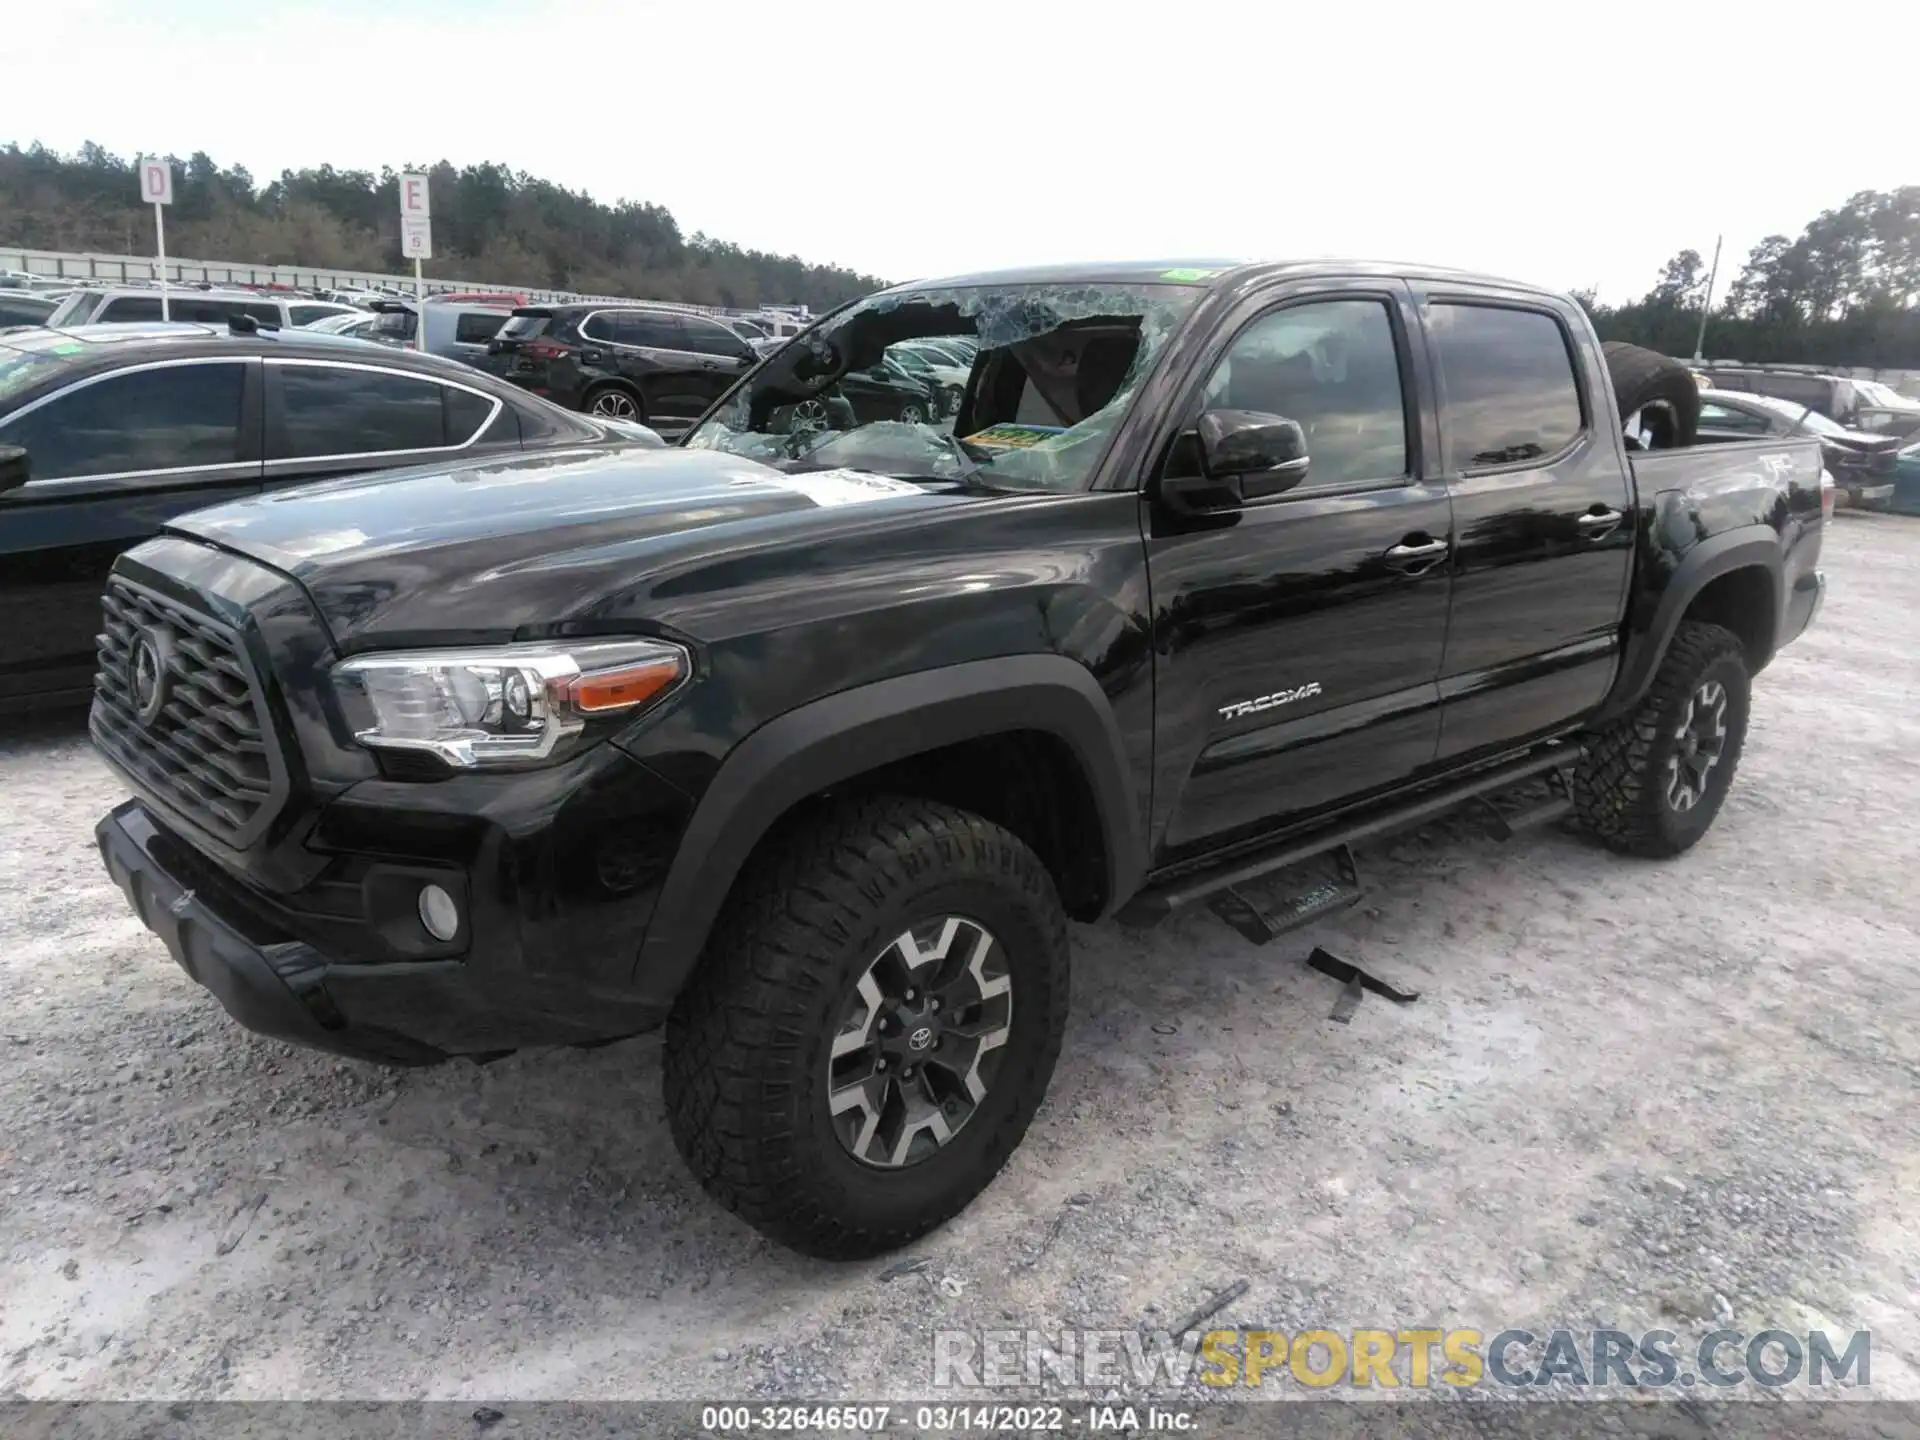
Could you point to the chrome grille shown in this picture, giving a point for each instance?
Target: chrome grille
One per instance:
(199, 746)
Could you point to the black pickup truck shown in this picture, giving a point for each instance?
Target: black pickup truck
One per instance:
(806, 736)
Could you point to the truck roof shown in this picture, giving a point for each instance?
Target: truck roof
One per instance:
(1211, 273)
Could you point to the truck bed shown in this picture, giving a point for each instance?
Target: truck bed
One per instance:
(1731, 483)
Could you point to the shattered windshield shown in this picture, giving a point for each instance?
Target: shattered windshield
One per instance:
(1045, 373)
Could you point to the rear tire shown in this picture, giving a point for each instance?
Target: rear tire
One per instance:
(1664, 389)
(615, 402)
(1652, 783)
(876, 894)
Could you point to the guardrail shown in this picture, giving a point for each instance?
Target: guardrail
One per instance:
(126, 269)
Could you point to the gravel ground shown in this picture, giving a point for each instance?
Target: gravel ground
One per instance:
(1646, 1095)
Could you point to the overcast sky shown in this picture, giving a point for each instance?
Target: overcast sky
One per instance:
(1568, 145)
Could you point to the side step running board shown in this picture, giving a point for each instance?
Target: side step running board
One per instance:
(1261, 926)
(1156, 902)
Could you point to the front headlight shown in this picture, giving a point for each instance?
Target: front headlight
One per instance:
(503, 706)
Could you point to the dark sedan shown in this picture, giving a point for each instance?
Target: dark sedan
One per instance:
(108, 432)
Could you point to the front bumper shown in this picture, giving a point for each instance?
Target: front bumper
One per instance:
(272, 986)
(233, 941)
(1867, 496)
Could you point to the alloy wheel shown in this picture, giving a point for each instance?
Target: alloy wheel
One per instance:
(1701, 739)
(919, 1042)
(615, 405)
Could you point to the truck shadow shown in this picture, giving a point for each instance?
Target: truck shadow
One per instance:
(36, 729)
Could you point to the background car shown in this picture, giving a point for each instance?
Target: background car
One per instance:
(1855, 403)
(119, 305)
(23, 307)
(358, 324)
(632, 362)
(1905, 499)
(1885, 411)
(1862, 464)
(456, 329)
(125, 427)
(885, 391)
(940, 368)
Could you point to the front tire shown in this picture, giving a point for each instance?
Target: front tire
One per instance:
(821, 985)
(1652, 783)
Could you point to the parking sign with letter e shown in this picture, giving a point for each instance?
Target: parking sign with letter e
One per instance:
(416, 223)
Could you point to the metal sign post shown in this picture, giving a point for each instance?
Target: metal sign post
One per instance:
(416, 240)
(156, 188)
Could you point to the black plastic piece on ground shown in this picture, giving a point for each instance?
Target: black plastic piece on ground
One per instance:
(1357, 982)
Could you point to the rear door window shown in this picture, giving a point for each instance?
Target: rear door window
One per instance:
(1509, 394)
(650, 328)
(466, 412)
(330, 410)
(706, 338)
(124, 308)
(1816, 393)
(173, 418)
(1725, 417)
(476, 327)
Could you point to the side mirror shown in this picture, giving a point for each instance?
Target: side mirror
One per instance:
(14, 470)
(1246, 456)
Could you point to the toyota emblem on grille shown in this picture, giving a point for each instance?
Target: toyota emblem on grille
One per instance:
(148, 675)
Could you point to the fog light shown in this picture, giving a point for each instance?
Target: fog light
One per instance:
(438, 913)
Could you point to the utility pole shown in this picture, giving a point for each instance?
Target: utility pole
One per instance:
(1706, 304)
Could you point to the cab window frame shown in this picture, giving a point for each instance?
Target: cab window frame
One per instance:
(1259, 307)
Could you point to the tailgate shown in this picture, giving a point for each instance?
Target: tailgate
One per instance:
(512, 351)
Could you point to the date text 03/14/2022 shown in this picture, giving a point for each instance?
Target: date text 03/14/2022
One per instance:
(995, 1419)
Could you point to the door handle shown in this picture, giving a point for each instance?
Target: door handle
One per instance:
(1416, 557)
(1598, 524)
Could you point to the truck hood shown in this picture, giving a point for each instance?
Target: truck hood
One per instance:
(480, 549)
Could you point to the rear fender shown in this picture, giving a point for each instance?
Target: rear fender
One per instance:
(1748, 547)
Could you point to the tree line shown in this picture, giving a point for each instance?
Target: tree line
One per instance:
(490, 224)
(1846, 292)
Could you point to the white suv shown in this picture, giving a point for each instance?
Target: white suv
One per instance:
(207, 307)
